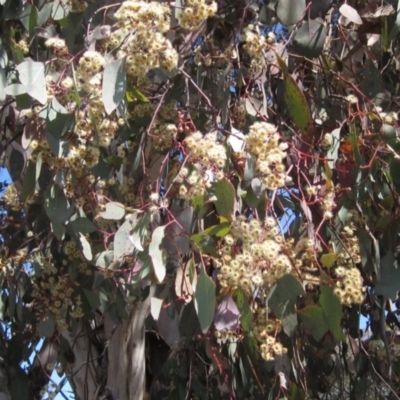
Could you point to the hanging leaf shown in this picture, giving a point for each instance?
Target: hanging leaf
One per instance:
(295, 101)
(3, 83)
(205, 300)
(350, 13)
(313, 318)
(156, 253)
(388, 284)
(225, 194)
(122, 243)
(333, 311)
(31, 75)
(290, 12)
(283, 296)
(86, 248)
(309, 39)
(113, 211)
(82, 225)
(114, 84)
(47, 325)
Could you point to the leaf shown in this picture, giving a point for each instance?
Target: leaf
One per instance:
(225, 193)
(31, 75)
(59, 11)
(309, 39)
(296, 102)
(328, 260)
(19, 385)
(155, 307)
(185, 281)
(350, 13)
(47, 325)
(283, 296)
(236, 140)
(16, 161)
(133, 94)
(122, 243)
(216, 230)
(44, 14)
(204, 300)
(86, 248)
(395, 173)
(388, 284)
(3, 83)
(156, 253)
(114, 84)
(113, 211)
(82, 225)
(313, 318)
(333, 311)
(290, 12)
(29, 182)
(15, 89)
(57, 206)
(104, 259)
(227, 315)
(246, 316)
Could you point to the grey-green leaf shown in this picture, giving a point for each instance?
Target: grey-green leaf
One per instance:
(290, 12)
(157, 254)
(82, 225)
(113, 211)
(114, 84)
(204, 300)
(31, 75)
(86, 248)
(310, 38)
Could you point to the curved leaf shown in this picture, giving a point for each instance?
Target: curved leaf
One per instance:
(204, 300)
(156, 253)
(31, 75)
(114, 85)
(290, 12)
(113, 211)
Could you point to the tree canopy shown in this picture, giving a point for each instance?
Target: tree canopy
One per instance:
(204, 199)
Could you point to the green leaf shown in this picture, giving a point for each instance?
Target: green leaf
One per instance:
(33, 17)
(395, 173)
(246, 316)
(225, 193)
(47, 325)
(290, 12)
(314, 319)
(133, 94)
(388, 284)
(309, 39)
(296, 102)
(215, 230)
(333, 312)
(44, 13)
(156, 253)
(204, 299)
(328, 260)
(57, 206)
(31, 75)
(29, 182)
(19, 385)
(114, 84)
(283, 296)
(82, 225)
(113, 211)
(3, 83)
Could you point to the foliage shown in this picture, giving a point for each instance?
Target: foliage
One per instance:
(235, 163)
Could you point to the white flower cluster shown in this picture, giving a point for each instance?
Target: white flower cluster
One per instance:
(265, 332)
(255, 45)
(388, 117)
(141, 37)
(193, 184)
(196, 12)
(263, 141)
(206, 149)
(262, 259)
(163, 136)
